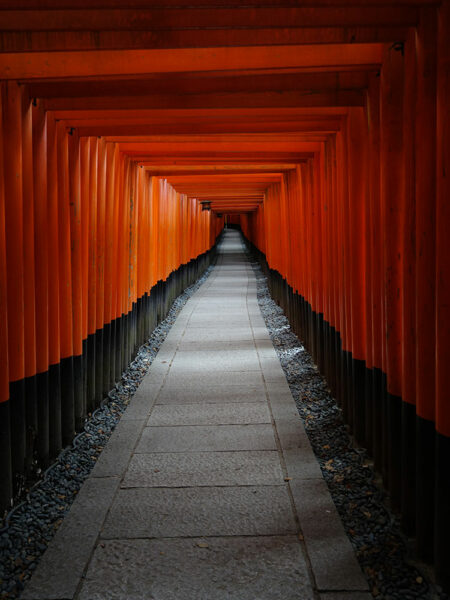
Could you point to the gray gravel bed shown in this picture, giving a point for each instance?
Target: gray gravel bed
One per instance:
(28, 528)
(372, 528)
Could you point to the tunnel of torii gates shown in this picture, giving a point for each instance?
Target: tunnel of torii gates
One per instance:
(131, 129)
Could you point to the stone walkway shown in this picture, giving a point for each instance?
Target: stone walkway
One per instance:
(208, 489)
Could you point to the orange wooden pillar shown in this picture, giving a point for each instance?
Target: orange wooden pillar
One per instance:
(92, 277)
(108, 268)
(14, 219)
(425, 192)
(29, 278)
(6, 488)
(344, 277)
(65, 288)
(358, 192)
(374, 373)
(392, 204)
(84, 209)
(442, 483)
(115, 327)
(408, 309)
(55, 440)
(76, 245)
(100, 272)
(41, 239)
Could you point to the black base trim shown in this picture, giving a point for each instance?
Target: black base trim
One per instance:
(6, 488)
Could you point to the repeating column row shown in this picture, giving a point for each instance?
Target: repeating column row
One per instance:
(357, 243)
(93, 251)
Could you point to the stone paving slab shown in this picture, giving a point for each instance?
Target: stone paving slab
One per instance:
(211, 346)
(211, 414)
(212, 362)
(346, 596)
(205, 438)
(206, 395)
(200, 511)
(240, 568)
(204, 469)
(225, 334)
(142, 402)
(213, 379)
(240, 324)
(115, 457)
(61, 568)
(332, 557)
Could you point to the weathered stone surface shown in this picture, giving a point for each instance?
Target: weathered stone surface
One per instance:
(201, 511)
(346, 596)
(116, 455)
(142, 401)
(206, 395)
(211, 346)
(212, 379)
(225, 334)
(332, 557)
(209, 414)
(207, 438)
(204, 469)
(218, 360)
(242, 568)
(61, 568)
(291, 433)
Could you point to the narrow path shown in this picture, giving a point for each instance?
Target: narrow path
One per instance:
(208, 488)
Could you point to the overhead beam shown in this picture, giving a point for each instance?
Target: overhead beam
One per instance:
(221, 158)
(121, 62)
(42, 41)
(337, 98)
(94, 19)
(192, 84)
(72, 4)
(214, 146)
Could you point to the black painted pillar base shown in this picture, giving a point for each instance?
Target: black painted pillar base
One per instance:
(394, 438)
(54, 405)
(408, 504)
(442, 518)
(6, 487)
(90, 373)
(31, 420)
(67, 400)
(425, 488)
(369, 416)
(18, 429)
(359, 400)
(107, 359)
(78, 392)
(98, 367)
(43, 432)
(377, 425)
